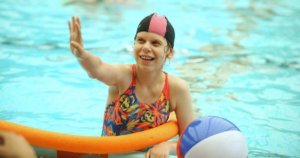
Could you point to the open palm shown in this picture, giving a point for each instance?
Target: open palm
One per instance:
(76, 42)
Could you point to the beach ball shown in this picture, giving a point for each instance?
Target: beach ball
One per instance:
(212, 137)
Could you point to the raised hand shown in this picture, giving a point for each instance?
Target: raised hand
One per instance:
(76, 42)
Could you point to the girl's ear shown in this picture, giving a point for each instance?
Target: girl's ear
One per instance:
(170, 53)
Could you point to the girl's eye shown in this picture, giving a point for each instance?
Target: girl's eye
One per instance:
(156, 43)
(140, 40)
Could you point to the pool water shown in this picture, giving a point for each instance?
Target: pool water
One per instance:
(240, 58)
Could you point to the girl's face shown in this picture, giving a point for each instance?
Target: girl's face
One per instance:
(151, 50)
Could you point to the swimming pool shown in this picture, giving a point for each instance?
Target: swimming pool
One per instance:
(241, 59)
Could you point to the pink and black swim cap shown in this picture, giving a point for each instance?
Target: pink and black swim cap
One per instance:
(159, 25)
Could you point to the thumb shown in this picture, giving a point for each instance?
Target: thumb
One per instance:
(147, 154)
(77, 49)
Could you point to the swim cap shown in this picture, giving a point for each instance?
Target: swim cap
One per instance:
(159, 25)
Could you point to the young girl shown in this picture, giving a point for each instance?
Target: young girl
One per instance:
(141, 96)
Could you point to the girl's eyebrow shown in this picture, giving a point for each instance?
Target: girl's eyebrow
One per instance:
(152, 40)
(156, 40)
(138, 37)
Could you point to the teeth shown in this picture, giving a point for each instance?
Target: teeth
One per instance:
(146, 57)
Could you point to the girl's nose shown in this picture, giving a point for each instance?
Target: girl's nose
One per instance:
(146, 47)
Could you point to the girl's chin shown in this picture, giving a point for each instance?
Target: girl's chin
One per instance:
(146, 62)
(145, 65)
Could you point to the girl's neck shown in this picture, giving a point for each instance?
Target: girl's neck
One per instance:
(149, 78)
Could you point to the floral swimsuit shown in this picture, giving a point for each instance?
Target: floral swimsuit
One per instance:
(127, 115)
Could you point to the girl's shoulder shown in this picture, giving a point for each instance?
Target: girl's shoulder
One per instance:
(176, 81)
(179, 91)
(177, 85)
(124, 75)
(125, 68)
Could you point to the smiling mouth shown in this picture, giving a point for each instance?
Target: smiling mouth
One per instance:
(147, 58)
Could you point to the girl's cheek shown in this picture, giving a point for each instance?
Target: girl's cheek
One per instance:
(137, 48)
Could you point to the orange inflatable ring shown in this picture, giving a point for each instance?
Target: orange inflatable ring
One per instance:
(94, 144)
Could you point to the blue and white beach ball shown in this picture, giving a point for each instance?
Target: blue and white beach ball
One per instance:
(212, 137)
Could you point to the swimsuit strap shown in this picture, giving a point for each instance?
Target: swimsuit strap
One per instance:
(133, 80)
(166, 90)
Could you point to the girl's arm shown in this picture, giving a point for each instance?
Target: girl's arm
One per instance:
(182, 105)
(110, 74)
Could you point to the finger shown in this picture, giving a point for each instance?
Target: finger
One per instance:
(73, 19)
(73, 25)
(78, 36)
(78, 22)
(76, 33)
(74, 36)
(147, 154)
